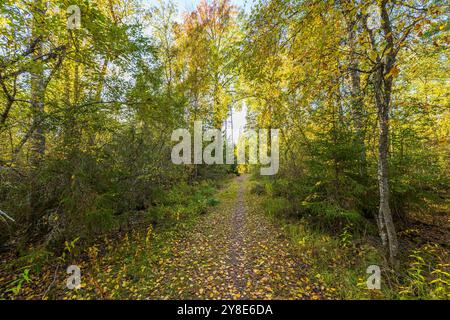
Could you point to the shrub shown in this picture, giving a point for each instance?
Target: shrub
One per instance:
(258, 189)
(158, 214)
(428, 274)
(100, 221)
(278, 206)
(332, 217)
(212, 202)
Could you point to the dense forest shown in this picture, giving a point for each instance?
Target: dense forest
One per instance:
(92, 91)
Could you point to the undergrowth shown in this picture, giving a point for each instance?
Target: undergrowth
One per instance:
(136, 240)
(341, 244)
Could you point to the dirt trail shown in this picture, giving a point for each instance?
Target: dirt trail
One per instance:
(237, 243)
(233, 252)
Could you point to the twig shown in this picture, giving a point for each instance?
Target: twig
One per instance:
(51, 284)
(6, 216)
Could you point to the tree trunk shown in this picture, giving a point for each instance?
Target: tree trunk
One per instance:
(386, 223)
(383, 82)
(37, 148)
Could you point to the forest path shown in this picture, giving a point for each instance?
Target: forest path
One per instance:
(233, 252)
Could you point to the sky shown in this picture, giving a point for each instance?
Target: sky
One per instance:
(185, 5)
(239, 123)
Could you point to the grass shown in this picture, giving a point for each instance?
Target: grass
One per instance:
(340, 259)
(122, 265)
(116, 265)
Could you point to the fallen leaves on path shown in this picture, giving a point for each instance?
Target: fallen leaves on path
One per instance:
(234, 253)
